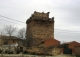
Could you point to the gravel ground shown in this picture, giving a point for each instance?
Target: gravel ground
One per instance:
(21, 55)
(65, 55)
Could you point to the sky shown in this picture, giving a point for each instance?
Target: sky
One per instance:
(65, 12)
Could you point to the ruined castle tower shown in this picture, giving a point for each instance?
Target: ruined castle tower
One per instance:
(40, 26)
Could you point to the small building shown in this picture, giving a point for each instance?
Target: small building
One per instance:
(72, 44)
(10, 40)
(69, 45)
(51, 42)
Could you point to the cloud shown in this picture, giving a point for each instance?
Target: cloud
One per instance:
(70, 12)
(67, 36)
(65, 12)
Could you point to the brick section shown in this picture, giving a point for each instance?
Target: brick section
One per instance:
(73, 50)
(51, 42)
(61, 50)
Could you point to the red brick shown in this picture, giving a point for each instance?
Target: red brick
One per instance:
(51, 42)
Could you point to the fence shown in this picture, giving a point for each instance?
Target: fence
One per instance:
(67, 51)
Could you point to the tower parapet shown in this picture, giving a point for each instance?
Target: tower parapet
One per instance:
(40, 17)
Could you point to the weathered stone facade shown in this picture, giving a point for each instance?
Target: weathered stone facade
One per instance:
(77, 50)
(40, 27)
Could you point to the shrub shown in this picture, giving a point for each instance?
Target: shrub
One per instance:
(8, 52)
(25, 52)
(0, 51)
(17, 51)
(33, 53)
(77, 56)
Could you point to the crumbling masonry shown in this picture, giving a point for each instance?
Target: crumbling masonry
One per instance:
(39, 28)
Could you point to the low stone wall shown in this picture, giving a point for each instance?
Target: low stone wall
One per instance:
(56, 51)
(7, 47)
(77, 51)
(48, 51)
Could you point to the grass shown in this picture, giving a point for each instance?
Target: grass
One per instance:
(77, 56)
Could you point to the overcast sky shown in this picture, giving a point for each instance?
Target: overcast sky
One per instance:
(65, 12)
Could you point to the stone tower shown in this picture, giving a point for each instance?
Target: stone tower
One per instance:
(40, 27)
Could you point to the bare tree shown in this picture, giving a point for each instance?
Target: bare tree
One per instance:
(9, 29)
(22, 33)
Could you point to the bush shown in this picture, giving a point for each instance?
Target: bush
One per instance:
(77, 56)
(17, 51)
(0, 51)
(25, 52)
(8, 52)
(33, 53)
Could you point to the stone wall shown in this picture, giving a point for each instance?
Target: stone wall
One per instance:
(46, 51)
(55, 51)
(77, 51)
(40, 26)
(7, 47)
